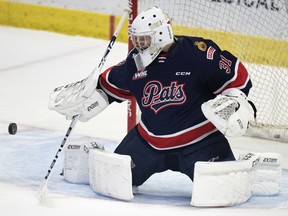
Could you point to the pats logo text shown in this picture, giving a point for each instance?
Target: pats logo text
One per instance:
(156, 96)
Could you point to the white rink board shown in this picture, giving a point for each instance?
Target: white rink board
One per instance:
(257, 11)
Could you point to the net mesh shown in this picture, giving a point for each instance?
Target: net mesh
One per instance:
(254, 31)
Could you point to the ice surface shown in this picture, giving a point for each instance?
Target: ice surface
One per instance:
(32, 64)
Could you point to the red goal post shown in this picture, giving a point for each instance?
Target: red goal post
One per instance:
(256, 32)
(131, 105)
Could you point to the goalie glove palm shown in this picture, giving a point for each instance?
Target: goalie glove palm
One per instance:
(230, 112)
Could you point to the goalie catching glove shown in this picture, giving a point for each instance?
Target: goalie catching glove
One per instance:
(229, 112)
(88, 108)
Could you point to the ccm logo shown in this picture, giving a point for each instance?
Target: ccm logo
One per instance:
(73, 147)
(182, 73)
(240, 124)
(92, 106)
(270, 160)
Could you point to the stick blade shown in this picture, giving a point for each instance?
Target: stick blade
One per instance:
(42, 192)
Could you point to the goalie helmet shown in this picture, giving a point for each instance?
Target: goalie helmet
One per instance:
(150, 32)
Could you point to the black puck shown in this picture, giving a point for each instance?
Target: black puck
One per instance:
(12, 129)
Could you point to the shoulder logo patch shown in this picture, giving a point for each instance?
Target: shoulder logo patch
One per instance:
(201, 45)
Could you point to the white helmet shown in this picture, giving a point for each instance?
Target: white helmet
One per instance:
(150, 32)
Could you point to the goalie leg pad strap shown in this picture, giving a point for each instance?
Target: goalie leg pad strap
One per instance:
(267, 174)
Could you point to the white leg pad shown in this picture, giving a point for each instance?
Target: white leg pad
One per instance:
(76, 168)
(110, 174)
(234, 182)
(221, 183)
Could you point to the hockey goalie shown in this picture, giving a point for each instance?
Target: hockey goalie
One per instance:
(192, 95)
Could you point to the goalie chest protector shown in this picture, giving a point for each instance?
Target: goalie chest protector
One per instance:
(172, 88)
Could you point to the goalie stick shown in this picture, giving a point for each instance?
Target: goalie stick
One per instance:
(65, 96)
(43, 187)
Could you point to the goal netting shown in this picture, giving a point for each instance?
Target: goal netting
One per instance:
(256, 31)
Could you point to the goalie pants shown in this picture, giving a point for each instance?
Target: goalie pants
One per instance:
(146, 160)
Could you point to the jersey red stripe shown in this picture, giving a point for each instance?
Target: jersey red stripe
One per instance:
(179, 140)
(241, 79)
(115, 92)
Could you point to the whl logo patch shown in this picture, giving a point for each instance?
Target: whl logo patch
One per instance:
(140, 75)
(156, 96)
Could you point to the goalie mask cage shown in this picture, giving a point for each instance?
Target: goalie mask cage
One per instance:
(256, 31)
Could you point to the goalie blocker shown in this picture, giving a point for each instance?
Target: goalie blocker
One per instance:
(85, 107)
(215, 183)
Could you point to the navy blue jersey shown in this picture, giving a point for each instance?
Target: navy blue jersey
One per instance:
(170, 91)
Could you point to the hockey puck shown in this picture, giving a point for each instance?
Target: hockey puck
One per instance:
(12, 129)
